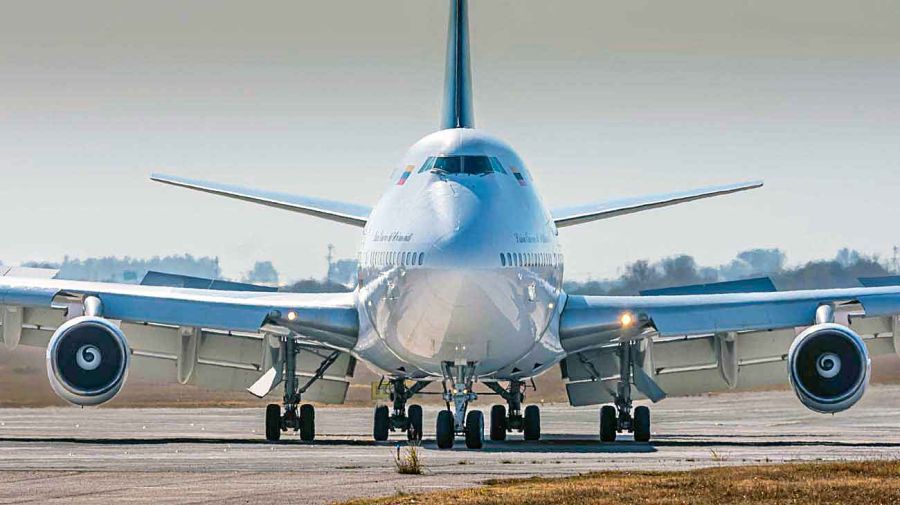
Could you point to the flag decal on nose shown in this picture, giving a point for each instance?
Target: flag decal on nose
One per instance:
(518, 175)
(406, 172)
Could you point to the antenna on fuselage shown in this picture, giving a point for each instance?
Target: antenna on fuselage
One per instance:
(458, 111)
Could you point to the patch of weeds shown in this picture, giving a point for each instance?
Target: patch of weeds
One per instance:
(408, 461)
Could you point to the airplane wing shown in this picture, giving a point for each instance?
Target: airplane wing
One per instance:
(690, 344)
(568, 216)
(342, 212)
(211, 338)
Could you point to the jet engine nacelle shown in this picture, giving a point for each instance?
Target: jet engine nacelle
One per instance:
(87, 360)
(829, 367)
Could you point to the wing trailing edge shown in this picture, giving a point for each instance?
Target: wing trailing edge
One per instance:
(569, 216)
(342, 212)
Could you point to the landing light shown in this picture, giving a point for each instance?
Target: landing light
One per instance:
(626, 319)
(292, 315)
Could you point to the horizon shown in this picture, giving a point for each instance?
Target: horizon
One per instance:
(845, 256)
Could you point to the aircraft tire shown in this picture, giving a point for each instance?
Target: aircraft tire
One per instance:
(273, 422)
(498, 423)
(382, 423)
(414, 430)
(532, 423)
(642, 424)
(475, 430)
(307, 422)
(608, 423)
(445, 429)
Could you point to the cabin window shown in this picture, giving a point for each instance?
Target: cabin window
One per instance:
(502, 260)
(421, 258)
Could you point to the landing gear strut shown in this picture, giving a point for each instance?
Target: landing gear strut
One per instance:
(458, 382)
(619, 418)
(400, 418)
(501, 423)
(296, 417)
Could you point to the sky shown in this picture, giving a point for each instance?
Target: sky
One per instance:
(603, 99)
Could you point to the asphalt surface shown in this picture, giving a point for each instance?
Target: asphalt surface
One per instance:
(66, 455)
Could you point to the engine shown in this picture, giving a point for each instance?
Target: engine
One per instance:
(87, 360)
(829, 367)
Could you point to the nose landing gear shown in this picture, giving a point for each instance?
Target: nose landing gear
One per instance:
(453, 421)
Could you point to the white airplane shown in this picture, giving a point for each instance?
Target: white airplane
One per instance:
(460, 282)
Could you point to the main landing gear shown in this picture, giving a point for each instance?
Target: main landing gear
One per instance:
(501, 423)
(400, 418)
(619, 418)
(296, 417)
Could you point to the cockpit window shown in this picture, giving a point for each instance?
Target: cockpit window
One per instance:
(462, 165)
(448, 164)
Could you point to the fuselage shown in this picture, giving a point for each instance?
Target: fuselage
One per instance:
(460, 262)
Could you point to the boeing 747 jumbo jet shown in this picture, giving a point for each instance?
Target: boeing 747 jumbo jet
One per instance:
(460, 282)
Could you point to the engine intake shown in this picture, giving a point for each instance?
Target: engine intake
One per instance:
(829, 367)
(87, 360)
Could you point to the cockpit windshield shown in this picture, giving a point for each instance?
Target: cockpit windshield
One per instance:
(462, 165)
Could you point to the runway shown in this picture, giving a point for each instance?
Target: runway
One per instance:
(200, 455)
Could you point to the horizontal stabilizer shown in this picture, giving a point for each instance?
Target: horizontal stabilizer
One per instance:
(875, 282)
(28, 272)
(346, 213)
(186, 281)
(757, 285)
(569, 216)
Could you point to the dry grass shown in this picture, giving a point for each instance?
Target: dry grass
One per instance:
(870, 483)
(409, 460)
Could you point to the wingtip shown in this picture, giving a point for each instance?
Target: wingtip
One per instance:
(163, 178)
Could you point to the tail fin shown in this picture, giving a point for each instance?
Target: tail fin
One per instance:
(458, 111)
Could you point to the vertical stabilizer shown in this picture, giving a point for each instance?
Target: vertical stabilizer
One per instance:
(458, 81)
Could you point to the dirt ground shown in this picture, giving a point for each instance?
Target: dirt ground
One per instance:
(864, 483)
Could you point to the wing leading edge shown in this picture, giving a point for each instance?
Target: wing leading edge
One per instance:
(586, 316)
(342, 212)
(330, 319)
(569, 216)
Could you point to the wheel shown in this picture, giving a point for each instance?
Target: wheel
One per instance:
(273, 422)
(642, 424)
(475, 430)
(446, 428)
(382, 423)
(608, 423)
(414, 430)
(498, 422)
(307, 422)
(532, 422)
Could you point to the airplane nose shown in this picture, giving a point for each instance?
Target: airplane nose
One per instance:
(465, 233)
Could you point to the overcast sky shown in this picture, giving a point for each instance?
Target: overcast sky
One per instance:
(603, 99)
